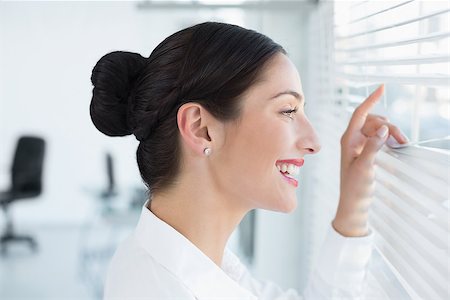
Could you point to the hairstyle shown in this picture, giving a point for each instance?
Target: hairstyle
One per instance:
(212, 64)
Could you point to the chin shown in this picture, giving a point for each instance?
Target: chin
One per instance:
(290, 208)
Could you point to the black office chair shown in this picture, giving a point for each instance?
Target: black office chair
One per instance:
(26, 183)
(111, 189)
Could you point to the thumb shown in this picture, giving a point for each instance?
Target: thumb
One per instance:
(373, 144)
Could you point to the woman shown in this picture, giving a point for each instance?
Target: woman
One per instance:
(219, 113)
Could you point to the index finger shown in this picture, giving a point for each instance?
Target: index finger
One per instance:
(362, 111)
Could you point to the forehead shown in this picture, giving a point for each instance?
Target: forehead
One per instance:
(279, 75)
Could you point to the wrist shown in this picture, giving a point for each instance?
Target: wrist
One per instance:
(350, 229)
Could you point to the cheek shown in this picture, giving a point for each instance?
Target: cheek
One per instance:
(262, 141)
(253, 151)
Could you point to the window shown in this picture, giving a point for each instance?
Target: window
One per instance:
(355, 46)
(405, 44)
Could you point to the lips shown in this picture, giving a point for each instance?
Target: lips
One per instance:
(298, 162)
(290, 180)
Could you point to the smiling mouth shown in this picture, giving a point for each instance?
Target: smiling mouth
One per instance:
(289, 168)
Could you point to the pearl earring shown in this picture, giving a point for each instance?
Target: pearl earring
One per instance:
(207, 151)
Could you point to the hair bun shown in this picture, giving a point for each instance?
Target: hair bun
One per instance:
(113, 78)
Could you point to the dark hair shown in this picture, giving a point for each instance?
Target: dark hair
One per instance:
(211, 63)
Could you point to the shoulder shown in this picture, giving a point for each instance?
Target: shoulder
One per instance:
(135, 274)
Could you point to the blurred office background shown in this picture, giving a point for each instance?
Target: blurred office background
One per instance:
(84, 191)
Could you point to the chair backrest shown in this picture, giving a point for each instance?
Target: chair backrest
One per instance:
(110, 173)
(27, 166)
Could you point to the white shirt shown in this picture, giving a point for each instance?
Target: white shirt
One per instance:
(157, 262)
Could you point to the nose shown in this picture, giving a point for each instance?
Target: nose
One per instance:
(308, 141)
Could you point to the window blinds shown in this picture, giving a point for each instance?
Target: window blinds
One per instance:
(406, 45)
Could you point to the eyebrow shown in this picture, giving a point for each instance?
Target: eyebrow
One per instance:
(298, 96)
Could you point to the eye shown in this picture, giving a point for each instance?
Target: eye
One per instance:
(290, 113)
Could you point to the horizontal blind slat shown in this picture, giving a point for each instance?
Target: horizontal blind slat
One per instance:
(437, 156)
(428, 80)
(397, 24)
(422, 59)
(400, 42)
(358, 3)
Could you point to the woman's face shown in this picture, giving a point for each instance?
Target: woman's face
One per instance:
(269, 136)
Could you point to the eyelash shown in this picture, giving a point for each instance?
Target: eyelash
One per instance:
(289, 112)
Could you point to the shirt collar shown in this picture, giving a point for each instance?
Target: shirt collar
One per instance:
(188, 263)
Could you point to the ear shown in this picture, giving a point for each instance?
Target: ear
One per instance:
(198, 128)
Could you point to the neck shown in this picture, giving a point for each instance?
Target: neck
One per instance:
(204, 216)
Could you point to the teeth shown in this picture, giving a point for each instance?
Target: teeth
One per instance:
(289, 168)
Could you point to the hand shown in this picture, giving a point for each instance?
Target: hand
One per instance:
(361, 141)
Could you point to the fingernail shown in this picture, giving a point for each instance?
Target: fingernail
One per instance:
(382, 131)
(392, 142)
